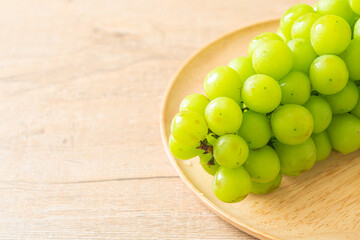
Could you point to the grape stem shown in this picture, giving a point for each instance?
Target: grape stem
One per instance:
(211, 161)
(204, 145)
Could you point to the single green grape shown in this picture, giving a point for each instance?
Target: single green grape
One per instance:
(302, 26)
(295, 88)
(263, 164)
(264, 188)
(351, 57)
(273, 58)
(292, 124)
(230, 151)
(296, 159)
(291, 15)
(206, 163)
(223, 115)
(321, 111)
(243, 66)
(303, 54)
(344, 132)
(345, 100)
(255, 129)
(340, 8)
(328, 74)
(261, 93)
(258, 40)
(323, 145)
(194, 102)
(231, 184)
(330, 34)
(356, 109)
(182, 151)
(189, 128)
(355, 6)
(357, 30)
(223, 81)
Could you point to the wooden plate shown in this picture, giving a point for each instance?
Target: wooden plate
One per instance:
(323, 203)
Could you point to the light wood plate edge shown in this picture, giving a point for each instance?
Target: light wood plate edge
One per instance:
(228, 218)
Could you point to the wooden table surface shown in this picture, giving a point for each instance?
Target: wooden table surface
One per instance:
(81, 86)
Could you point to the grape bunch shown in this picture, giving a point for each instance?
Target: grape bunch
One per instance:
(282, 108)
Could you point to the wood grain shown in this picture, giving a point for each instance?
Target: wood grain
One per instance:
(81, 85)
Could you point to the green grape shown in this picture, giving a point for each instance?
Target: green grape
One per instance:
(258, 40)
(303, 54)
(273, 58)
(223, 115)
(323, 145)
(211, 138)
(264, 188)
(295, 88)
(351, 57)
(209, 168)
(357, 30)
(291, 15)
(330, 34)
(283, 37)
(255, 129)
(263, 165)
(188, 128)
(321, 111)
(356, 109)
(355, 6)
(230, 151)
(296, 159)
(243, 66)
(194, 102)
(261, 93)
(345, 100)
(344, 133)
(223, 82)
(302, 26)
(340, 8)
(328, 74)
(292, 124)
(231, 184)
(181, 151)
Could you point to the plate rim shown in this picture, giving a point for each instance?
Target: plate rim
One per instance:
(213, 207)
